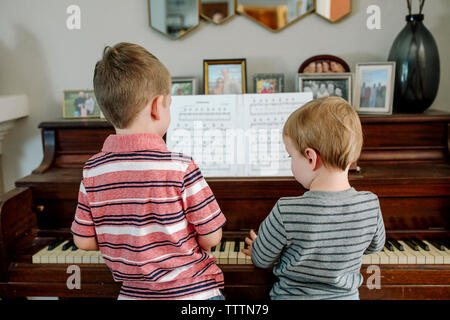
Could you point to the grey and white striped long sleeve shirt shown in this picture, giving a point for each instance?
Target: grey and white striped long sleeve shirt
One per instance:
(315, 243)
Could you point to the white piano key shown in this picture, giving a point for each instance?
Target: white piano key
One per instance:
(375, 259)
(393, 258)
(384, 258)
(241, 255)
(53, 258)
(429, 259)
(49, 256)
(233, 255)
(413, 257)
(366, 259)
(36, 258)
(438, 257)
(223, 255)
(402, 257)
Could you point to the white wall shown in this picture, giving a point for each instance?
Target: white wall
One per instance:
(40, 57)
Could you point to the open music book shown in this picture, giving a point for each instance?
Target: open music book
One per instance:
(234, 135)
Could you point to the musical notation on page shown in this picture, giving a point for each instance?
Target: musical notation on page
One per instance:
(234, 135)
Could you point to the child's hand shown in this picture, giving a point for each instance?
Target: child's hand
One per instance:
(249, 242)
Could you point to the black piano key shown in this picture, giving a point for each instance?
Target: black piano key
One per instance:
(67, 245)
(412, 245)
(397, 244)
(421, 244)
(222, 246)
(236, 245)
(437, 244)
(54, 245)
(74, 248)
(445, 242)
(213, 248)
(389, 246)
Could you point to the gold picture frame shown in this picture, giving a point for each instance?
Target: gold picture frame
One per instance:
(71, 111)
(220, 76)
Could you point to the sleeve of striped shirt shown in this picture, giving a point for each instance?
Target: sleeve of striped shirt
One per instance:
(200, 205)
(271, 240)
(379, 238)
(83, 225)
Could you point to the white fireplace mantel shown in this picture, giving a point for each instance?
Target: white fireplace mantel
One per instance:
(11, 109)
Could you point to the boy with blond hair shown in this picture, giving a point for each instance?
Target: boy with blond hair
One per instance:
(149, 211)
(315, 242)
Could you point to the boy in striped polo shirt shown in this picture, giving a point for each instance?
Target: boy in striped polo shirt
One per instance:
(148, 210)
(315, 242)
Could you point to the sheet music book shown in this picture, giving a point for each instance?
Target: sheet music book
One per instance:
(234, 135)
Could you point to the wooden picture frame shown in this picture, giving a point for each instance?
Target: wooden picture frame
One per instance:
(367, 76)
(225, 76)
(326, 84)
(87, 104)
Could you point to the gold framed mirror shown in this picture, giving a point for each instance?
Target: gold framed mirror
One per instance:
(218, 11)
(174, 18)
(275, 15)
(333, 10)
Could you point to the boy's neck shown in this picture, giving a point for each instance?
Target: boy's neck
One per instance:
(330, 180)
(138, 129)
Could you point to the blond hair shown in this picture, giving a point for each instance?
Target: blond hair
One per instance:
(331, 127)
(126, 79)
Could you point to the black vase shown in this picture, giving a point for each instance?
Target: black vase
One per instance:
(417, 67)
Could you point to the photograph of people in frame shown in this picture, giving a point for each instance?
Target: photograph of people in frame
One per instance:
(80, 104)
(321, 86)
(268, 83)
(225, 76)
(183, 86)
(374, 87)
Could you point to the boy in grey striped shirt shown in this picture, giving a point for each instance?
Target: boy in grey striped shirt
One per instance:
(315, 242)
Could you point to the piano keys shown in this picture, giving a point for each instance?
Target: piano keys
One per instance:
(229, 252)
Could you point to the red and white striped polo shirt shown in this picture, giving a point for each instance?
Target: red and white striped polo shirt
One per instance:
(146, 205)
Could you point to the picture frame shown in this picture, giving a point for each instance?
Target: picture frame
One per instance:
(268, 82)
(182, 86)
(225, 76)
(328, 64)
(80, 104)
(367, 75)
(326, 84)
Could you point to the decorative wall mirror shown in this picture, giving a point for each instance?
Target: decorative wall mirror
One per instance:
(333, 10)
(275, 15)
(218, 11)
(174, 18)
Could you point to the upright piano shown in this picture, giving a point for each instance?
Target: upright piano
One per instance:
(405, 161)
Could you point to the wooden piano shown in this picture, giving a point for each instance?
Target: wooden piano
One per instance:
(405, 161)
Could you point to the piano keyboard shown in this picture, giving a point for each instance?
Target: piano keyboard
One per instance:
(409, 251)
(66, 252)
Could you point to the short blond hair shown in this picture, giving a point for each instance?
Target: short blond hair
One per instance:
(126, 79)
(331, 127)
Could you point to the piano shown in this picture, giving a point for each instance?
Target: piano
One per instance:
(405, 161)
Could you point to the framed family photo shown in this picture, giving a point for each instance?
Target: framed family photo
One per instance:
(225, 76)
(374, 87)
(325, 85)
(183, 86)
(80, 104)
(268, 82)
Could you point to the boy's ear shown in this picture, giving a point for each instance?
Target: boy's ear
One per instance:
(313, 158)
(157, 104)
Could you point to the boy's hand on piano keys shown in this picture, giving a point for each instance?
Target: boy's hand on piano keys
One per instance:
(249, 242)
